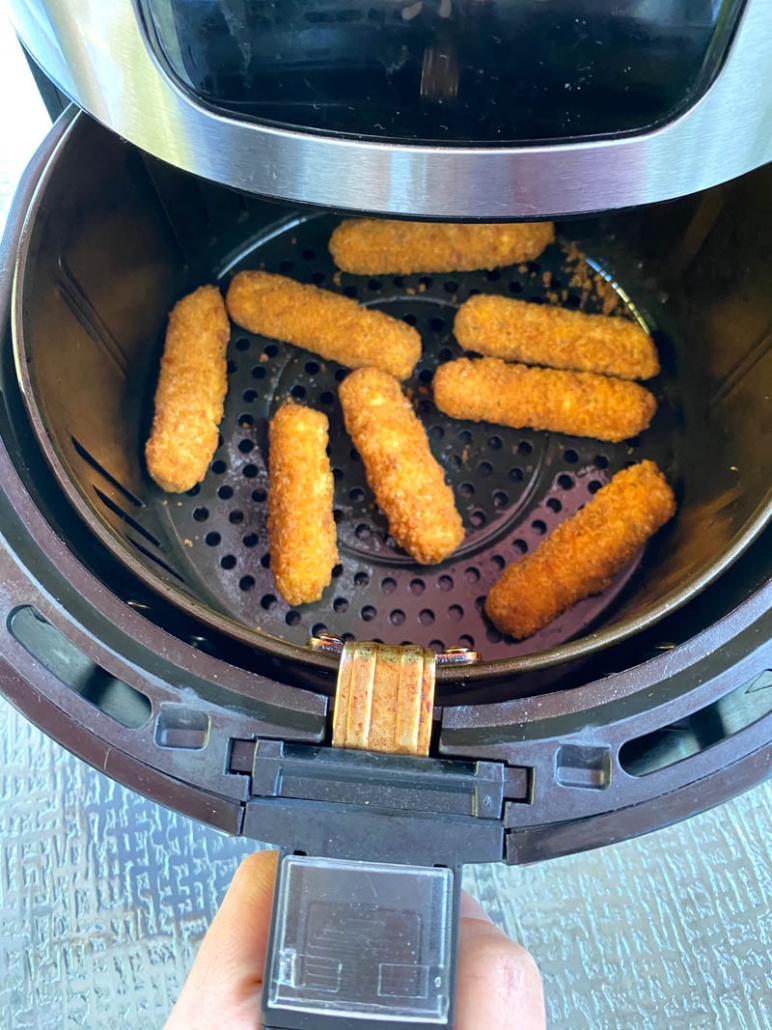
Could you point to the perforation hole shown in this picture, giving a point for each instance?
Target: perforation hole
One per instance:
(471, 575)
(236, 517)
(218, 467)
(425, 281)
(516, 474)
(397, 617)
(250, 471)
(374, 285)
(417, 586)
(565, 482)
(194, 491)
(369, 613)
(426, 617)
(363, 531)
(450, 286)
(554, 504)
(594, 486)
(571, 456)
(312, 367)
(271, 350)
(409, 319)
(524, 447)
(298, 392)
(500, 499)
(437, 324)
(317, 628)
(340, 605)
(212, 539)
(499, 561)
(436, 432)
(245, 446)
(478, 518)
(357, 494)
(493, 275)
(309, 254)
(494, 442)
(259, 495)
(389, 585)
(600, 462)
(436, 645)
(245, 420)
(250, 540)
(493, 635)
(265, 561)
(484, 468)
(361, 579)
(201, 514)
(426, 375)
(455, 613)
(445, 583)
(318, 278)
(337, 571)
(465, 436)
(515, 287)
(292, 618)
(327, 397)
(242, 343)
(466, 490)
(247, 583)
(446, 354)
(520, 546)
(232, 367)
(350, 291)
(228, 561)
(258, 372)
(539, 526)
(466, 641)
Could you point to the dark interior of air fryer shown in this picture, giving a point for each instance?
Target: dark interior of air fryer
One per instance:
(122, 237)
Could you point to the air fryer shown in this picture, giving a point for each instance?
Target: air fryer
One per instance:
(144, 631)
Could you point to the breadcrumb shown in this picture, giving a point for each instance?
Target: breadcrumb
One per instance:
(191, 390)
(301, 527)
(326, 323)
(583, 554)
(376, 246)
(407, 481)
(578, 403)
(540, 334)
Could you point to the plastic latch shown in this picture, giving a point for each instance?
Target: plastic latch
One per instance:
(361, 941)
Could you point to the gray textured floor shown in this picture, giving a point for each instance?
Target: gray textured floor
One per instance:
(104, 896)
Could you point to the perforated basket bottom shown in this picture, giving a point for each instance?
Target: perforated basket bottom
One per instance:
(512, 486)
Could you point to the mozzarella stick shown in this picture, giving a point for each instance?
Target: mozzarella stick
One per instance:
(577, 403)
(190, 392)
(541, 334)
(326, 323)
(377, 246)
(583, 554)
(408, 483)
(301, 528)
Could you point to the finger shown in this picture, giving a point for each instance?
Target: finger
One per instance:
(224, 985)
(498, 985)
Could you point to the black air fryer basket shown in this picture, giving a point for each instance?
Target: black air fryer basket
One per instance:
(144, 631)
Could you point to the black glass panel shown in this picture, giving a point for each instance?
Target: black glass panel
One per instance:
(448, 71)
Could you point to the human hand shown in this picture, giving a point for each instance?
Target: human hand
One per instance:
(498, 986)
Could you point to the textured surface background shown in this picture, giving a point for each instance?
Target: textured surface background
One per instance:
(104, 896)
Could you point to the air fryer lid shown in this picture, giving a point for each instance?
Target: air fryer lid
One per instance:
(113, 240)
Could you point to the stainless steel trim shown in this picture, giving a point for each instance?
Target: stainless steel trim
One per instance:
(97, 53)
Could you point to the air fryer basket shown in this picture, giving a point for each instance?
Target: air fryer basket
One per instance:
(115, 238)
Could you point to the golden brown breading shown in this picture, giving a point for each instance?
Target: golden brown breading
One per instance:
(377, 246)
(579, 403)
(190, 392)
(326, 323)
(408, 483)
(583, 554)
(301, 528)
(540, 334)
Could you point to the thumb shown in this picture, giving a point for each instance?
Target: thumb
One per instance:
(498, 986)
(224, 987)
